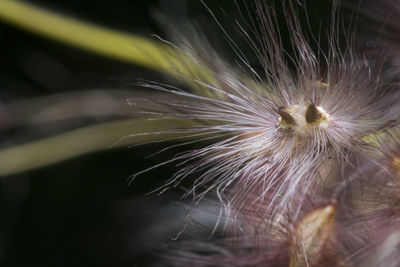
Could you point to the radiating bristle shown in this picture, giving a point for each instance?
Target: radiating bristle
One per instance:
(268, 146)
(278, 139)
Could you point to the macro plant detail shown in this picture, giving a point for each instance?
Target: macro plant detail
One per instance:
(279, 138)
(283, 142)
(290, 148)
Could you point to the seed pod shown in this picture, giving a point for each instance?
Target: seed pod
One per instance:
(311, 237)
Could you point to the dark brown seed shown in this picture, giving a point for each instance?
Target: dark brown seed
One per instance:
(313, 114)
(286, 117)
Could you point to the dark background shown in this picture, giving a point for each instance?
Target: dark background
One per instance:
(82, 212)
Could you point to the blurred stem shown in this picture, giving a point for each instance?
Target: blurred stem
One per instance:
(106, 42)
(75, 106)
(85, 140)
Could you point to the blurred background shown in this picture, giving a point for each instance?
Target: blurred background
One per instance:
(82, 212)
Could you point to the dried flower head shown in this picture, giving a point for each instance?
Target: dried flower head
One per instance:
(371, 194)
(272, 135)
(309, 240)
